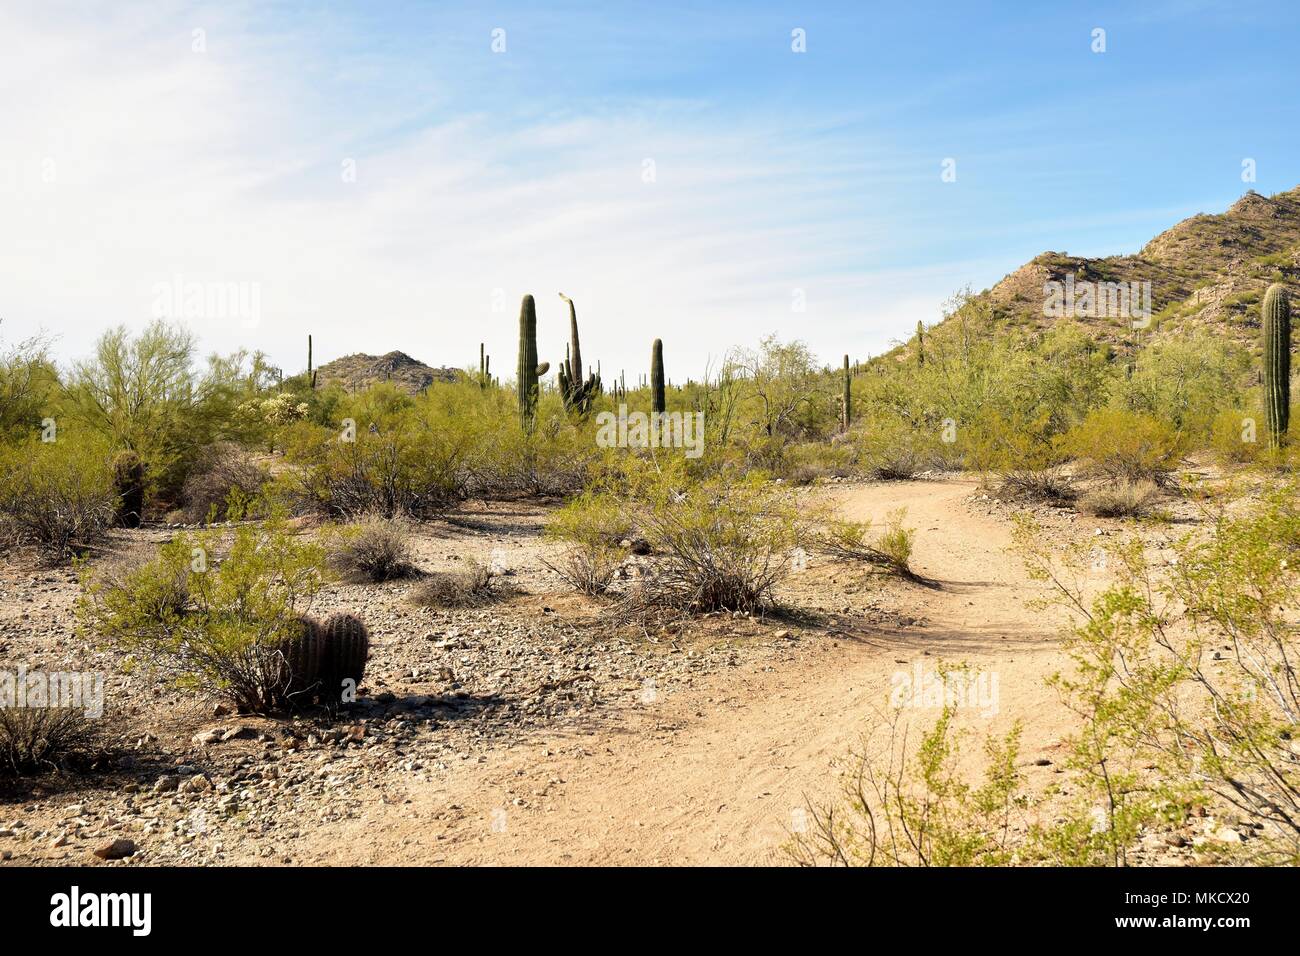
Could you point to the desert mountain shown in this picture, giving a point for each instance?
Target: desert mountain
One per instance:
(1209, 271)
(355, 372)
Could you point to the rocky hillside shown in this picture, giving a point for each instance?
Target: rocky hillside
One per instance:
(355, 372)
(1208, 271)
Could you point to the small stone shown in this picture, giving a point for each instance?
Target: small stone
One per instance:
(1227, 835)
(196, 784)
(165, 783)
(206, 737)
(116, 850)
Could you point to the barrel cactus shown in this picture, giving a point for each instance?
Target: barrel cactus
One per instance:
(657, 399)
(319, 657)
(128, 485)
(347, 647)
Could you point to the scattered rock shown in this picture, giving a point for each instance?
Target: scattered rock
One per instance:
(116, 849)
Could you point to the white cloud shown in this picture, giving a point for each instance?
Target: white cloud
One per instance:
(225, 166)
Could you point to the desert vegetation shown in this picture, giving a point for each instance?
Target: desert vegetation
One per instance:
(207, 508)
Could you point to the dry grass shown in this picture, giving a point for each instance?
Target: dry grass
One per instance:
(1046, 485)
(1121, 499)
(589, 570)
(474, 586)
(32, 738)
(376, 549)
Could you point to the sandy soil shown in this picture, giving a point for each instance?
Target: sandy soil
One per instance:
(714, 772)
(540, 731)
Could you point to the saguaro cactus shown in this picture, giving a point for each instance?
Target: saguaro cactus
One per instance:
(1276, 314)
(577, 394)
(529, 371)
(920, 343)
(848, 395)
(657, 402)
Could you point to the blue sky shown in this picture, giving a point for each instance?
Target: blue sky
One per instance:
(140, 154)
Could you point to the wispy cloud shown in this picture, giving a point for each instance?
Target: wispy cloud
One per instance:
(682, 175)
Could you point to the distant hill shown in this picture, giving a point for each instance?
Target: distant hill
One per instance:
(356, 372)
(1209, 271)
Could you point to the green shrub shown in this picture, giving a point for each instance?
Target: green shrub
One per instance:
(889, 549)
(223, 474)
(56, 496)
(914, 808)
(212, 614)
(141, 392)
(1117, 443)
(592, 527)
(719, 544)
(404, 471)
(890, 450)
(28, 386)
(1185, 675)
(1236, 436)
(1184, 380)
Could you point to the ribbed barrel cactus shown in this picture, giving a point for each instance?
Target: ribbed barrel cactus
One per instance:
(320, 657)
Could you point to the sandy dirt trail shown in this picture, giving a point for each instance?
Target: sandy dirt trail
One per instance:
(711, 774)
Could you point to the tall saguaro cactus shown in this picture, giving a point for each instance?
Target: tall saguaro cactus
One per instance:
(920, 344)
(311, 374)
(577, 394)
(657, 402)
(529, 371)
(848, 395)
(1276, 314)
